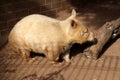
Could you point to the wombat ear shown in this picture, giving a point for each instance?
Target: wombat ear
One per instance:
(73, 13)
(73, 24)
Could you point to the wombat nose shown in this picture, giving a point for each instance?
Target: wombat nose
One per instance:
(95, 41)
(92, 38)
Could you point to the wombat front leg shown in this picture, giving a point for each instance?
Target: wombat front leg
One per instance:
(66, 57)
(52, 56)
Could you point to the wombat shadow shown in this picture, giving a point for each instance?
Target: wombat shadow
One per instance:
(79, 48)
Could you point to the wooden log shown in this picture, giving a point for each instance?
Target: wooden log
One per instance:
(110, 30)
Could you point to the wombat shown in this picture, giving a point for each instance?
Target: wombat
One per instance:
(52, 37)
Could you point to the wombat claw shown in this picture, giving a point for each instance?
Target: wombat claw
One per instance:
(90, 55)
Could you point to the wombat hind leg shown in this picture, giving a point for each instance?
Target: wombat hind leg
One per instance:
(25, 55)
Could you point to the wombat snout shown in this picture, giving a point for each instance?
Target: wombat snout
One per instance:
(91, 36)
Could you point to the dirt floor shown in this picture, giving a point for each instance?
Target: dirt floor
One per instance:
(107, 67)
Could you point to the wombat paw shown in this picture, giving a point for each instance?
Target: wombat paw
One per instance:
(88, 54)
(68, 60)
(32, 60)
(58, 64)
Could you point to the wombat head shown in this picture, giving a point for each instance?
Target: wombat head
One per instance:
(75, 31)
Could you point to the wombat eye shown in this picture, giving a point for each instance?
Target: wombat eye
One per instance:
(86, 30)
(73, 24)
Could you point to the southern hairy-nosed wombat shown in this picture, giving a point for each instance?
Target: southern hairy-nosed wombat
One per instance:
(42, 34)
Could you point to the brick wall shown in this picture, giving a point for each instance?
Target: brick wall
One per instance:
(12, 11)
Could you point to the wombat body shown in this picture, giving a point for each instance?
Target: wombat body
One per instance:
(42, 34)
